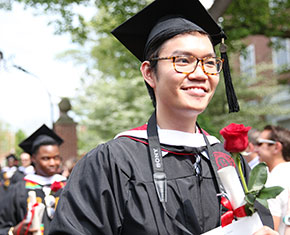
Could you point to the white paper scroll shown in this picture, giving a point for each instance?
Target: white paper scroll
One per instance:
(232, 185)
(38, 213)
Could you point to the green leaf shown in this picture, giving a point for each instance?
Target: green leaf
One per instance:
(258, 177)
(263, 202)
(250, 209)
(250, 198)
(271, 192)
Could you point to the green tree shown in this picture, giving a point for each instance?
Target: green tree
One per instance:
(19, 137)
(5, 140)
(109, 107)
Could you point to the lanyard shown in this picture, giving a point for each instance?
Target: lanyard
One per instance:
(159, 175)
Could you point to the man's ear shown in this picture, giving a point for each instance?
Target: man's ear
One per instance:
(148, 74)
(250, 148)
(278, 146)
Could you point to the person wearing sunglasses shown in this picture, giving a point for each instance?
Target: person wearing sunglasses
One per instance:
(274, 150)
(160, 178)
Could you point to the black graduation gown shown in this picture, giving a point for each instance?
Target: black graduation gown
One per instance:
(6, 183)
(14, 206)
(17, 176)
(111, 191)
(2, 193)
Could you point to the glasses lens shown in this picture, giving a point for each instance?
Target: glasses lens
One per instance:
(212, 65)
(185, 64)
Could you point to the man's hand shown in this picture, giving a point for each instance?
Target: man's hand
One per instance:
(22, 227)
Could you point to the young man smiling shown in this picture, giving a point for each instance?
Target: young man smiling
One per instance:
(159, 178)
(43, 146)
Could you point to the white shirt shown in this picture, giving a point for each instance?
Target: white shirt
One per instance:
(27, 170)
(280, 176)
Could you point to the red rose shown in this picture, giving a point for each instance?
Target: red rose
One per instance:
(56, 186)
(236, 137)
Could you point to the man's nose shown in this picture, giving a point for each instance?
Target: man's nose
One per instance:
(198, 73)
(256, 148)
(51, 161)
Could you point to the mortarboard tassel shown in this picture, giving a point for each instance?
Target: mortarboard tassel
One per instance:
(230, 92)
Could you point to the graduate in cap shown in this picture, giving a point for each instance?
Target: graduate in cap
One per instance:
(10, 173)
(159, 178)
(26, 164)
(18, 211)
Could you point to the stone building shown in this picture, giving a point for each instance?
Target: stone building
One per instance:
(275, 51)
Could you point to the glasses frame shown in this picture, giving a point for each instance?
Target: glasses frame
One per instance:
(173, 58)
(261, 141)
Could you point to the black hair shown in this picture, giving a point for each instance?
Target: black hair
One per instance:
(281, 135)
(45, 142)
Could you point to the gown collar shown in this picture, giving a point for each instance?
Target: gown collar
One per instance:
(172, 137)
(42, 180)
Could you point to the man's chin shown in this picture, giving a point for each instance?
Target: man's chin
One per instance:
(47, 173)
(51, 173)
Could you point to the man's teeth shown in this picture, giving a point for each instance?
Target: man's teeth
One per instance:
(195, 89)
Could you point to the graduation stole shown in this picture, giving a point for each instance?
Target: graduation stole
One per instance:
(32, 185)
(49, 192)
(159, 175)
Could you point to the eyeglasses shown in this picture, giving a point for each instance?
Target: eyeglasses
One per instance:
(265, 141)
(187, 64)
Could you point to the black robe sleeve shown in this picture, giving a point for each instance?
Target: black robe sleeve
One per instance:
(17, 176)
(13, 207)
(88, 203)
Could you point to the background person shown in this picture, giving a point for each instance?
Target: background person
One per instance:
(26, 164)
(43, 145)
(286, 218)
(10, 174)
(274, 150)
(250, 153)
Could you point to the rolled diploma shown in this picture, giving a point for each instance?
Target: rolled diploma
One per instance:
(232, 186)
(37, 219)
(38, 212)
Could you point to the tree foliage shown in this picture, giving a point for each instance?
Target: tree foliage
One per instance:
(109, 106)
(19, 137)
(5, 139)
(257, 17)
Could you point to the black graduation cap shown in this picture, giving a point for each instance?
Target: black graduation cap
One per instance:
(11, 156)
(42, 136)
(134, 32)
(137, 33)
